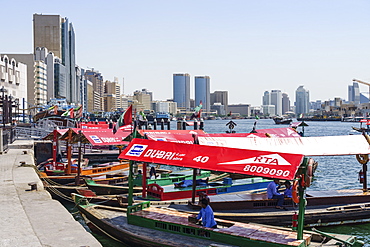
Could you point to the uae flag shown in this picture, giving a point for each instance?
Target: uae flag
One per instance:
(124, 119)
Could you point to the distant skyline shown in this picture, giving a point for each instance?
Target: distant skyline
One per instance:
(245, 47)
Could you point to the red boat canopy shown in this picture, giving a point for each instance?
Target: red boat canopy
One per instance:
(98, 137)
(50, 136)
(180, 136)
(242, 161)
(279, 132)
(308, 146)
(94, 126)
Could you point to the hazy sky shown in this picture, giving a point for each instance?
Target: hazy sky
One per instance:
(246, 47)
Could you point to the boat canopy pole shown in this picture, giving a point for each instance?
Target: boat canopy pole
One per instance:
(195, 170)
(79, 159)
(55, 147)
(143, 183)
(69, 151)
(130, 177)
(302, 205)
(364, 159)
(194, 185)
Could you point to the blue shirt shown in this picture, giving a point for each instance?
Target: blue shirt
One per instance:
(288, 192)
(272, 190)
(206, 214)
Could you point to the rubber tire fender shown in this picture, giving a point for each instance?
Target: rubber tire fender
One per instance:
(362, 158)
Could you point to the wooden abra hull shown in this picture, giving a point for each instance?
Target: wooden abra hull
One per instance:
(322, 208)
(145, 226)
(104, 189)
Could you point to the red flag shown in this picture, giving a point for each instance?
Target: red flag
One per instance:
(71, 113)
(124, 119)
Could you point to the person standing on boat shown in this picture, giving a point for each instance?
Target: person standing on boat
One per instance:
(206, 214)
(273, 193)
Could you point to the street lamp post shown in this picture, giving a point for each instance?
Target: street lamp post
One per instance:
(10, 109)
(3, 91)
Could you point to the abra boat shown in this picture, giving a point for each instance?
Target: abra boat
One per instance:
(270, 163)
(170, 178)
(323, 208)
(363, 129)
(108, 169)
(170, 192)
(282, 120)
(142, 225)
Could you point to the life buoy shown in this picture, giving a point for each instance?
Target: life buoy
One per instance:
(295, 196)
(362, 158)
(309, 173)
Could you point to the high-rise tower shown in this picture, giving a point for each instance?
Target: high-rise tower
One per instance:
(202, 92)
(266, 98)
(354, 93)
(302, 101)
(276, 100)
(285, 103)
(57, 35)
(181, 90)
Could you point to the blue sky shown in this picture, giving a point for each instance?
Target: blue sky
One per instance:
(246, 47)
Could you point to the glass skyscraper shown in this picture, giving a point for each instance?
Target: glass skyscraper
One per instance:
(57, 35)
(302, 101)
(181, 90)
(354, 93)
(202, 92)
(276, 100)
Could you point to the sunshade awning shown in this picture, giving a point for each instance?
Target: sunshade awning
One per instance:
(60, 132)
(308, 146)
(242, 161)
(180, 136)
(279, 132)
(298, 124)
(98, 137)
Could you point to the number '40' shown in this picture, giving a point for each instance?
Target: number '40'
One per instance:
(202, 159)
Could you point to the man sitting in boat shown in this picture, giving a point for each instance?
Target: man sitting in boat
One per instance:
(288, 189)
(273, 193)
(189, 182)
(206, 214)
(203, 195)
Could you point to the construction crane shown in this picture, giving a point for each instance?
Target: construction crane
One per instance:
(366, 83)
(362, 82)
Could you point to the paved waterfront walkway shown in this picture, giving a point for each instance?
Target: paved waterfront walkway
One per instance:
(30, 217)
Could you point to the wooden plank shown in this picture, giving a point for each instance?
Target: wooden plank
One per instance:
(251, 231)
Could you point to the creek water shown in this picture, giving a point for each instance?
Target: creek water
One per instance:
(333, 172)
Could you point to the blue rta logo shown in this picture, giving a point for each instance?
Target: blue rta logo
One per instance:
(136, 150)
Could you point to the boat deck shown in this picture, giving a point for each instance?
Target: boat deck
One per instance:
(246, 230)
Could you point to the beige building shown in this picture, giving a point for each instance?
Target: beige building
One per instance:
(144, 99)
(98, 85)
(47, 33)
(112, 89)
(40, 83)
(13, 77)
(220, 97)
(32, 69)
(90, 97)
(165, 106)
